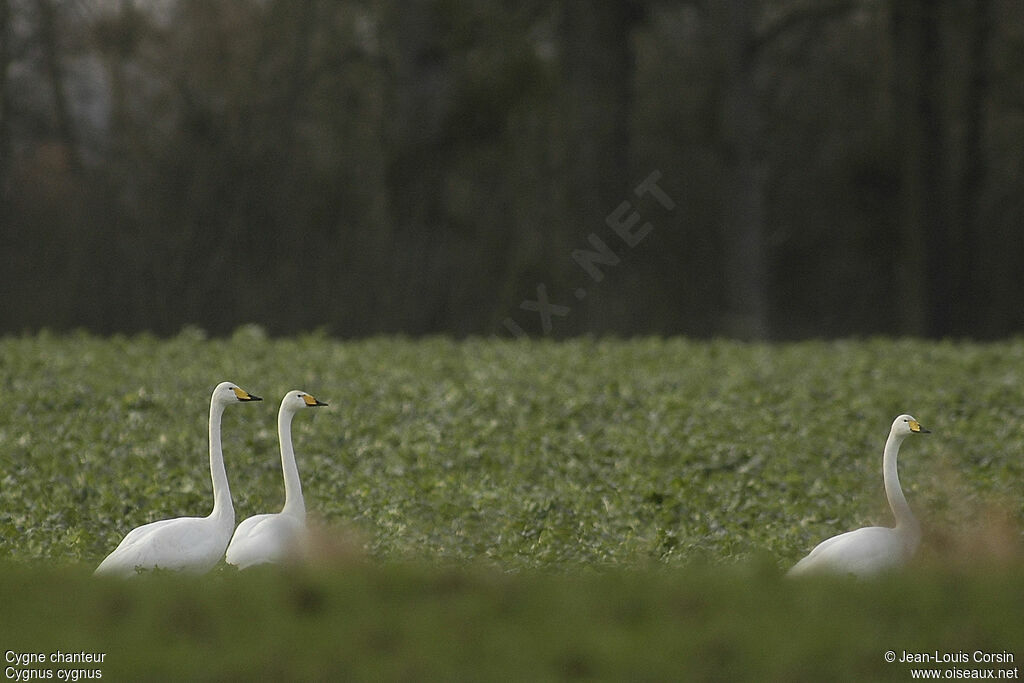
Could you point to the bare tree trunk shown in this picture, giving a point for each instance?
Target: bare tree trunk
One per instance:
(419, 113)
(597, 80)
(49, 38)
(116, 38)
(8, 259)
(743, 201)
(5, 108)
(967, 221)
(744, 197)
(917, 59)
(597, 65)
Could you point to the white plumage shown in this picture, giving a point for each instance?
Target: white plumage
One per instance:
(269, 538)
(193, 544)
(873, 549)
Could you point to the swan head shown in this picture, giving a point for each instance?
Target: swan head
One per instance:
(905, 425)
(227, 393)
(295, 401)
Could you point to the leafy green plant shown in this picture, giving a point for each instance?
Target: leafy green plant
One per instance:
(523, 454)
(613, 507)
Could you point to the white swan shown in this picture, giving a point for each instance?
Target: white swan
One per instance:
(274, 537)
(872, 549)
(186, 543)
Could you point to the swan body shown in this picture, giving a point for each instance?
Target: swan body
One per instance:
(267, 538)
(873, 549)
(193, 544)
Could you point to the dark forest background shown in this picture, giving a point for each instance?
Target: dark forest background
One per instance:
(823, 167)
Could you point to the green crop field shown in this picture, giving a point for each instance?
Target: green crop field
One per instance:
(514, 510)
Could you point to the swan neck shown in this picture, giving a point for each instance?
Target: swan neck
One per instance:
(294, 504)
(222, 507)
(905, 520)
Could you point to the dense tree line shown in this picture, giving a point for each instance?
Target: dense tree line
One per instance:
(772, 168)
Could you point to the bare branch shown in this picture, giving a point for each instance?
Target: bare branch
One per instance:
(813, 13)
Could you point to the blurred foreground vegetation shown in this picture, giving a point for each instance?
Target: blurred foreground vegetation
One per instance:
(406, 622)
